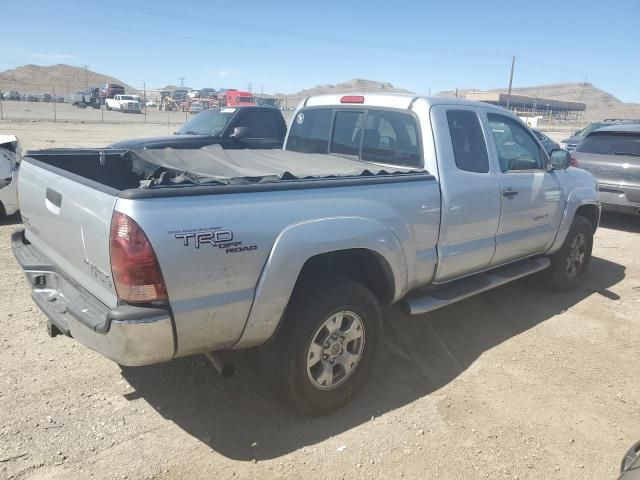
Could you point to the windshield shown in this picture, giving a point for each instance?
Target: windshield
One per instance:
(209, 122)
(246, 100)
(128, 97)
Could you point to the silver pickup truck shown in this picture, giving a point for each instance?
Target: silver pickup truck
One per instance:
(149, 255)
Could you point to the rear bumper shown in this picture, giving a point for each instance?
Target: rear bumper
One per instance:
(619, 198)
(126, 334)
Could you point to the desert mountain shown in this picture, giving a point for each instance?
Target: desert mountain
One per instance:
(64, 78)
(354, 85)
(600, 104)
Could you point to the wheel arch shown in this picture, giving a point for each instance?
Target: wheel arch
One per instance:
(358, 248)
(581, 201)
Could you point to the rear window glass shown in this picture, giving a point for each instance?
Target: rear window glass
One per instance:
(381, 136)
(391, 137)
(310, 131)
(611, 144)
(347, 132)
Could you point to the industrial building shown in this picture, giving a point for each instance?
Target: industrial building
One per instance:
(535, 106)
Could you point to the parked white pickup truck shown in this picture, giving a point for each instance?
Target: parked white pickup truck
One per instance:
(124, 103)
(149, 255)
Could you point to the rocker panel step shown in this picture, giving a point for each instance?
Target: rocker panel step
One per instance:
(456, 290)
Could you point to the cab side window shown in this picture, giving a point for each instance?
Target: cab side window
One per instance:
(260, 124)
(517, 150)
(467, 139)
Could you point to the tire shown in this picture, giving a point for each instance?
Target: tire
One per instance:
(107, 107)
(288, 360)
(570, 263)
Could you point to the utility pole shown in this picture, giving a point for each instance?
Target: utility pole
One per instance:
(182, 82)
(86, 76)
(456, 92)
(513, 63)
(144, 99)
(575, 119)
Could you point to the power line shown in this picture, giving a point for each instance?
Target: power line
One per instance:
(245, 45)
(254, 28)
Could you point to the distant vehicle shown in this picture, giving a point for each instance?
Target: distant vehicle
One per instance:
(234, 98)
(233, 128)
(193, 93)
(11, 96)
(30, 97)
(180, 94)
(88, 98)
(574, 140)
(110, 90)
(124, 103)
(208, 93)
(546, 142)
(196, 107)
(46, 97)
(9, 162)
(612, 155)
(151, 103)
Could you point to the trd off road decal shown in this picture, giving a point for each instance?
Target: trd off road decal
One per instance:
(215, 237)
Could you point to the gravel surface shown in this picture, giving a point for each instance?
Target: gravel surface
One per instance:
(517, 383)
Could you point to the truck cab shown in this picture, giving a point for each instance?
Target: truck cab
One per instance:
(236, 98)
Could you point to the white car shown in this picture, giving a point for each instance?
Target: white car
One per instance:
(10, 155)
(124, 103)
(151, 103)
(193, 93)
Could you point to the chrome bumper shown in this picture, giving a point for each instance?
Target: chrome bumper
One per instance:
(126, 334)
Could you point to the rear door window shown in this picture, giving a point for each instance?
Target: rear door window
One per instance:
(611, 144)
(467, 139)
(310, 131)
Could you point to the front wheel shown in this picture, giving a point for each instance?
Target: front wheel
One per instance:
(570, 263)
(325, 346)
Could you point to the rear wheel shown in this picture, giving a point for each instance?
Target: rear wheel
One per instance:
(570, 263)
(325, 346)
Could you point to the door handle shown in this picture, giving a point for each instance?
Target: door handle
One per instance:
(509, 192)
(54, 197)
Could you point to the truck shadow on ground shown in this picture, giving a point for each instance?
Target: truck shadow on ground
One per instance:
(240, 419)
(14, 219)
(620, 221)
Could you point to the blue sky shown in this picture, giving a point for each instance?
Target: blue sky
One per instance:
(286, 46)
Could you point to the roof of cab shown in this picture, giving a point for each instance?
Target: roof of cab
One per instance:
(391, 100)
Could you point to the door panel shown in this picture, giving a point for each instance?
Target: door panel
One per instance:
(470, 193)
(531, 197)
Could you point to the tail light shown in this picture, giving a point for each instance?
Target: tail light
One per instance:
(574, 160)
(136, 272)
(352, 99)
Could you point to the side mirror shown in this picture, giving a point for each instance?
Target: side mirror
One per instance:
(560, 159)
(239, 133)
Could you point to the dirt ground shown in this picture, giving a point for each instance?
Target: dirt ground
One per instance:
(517, 383)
